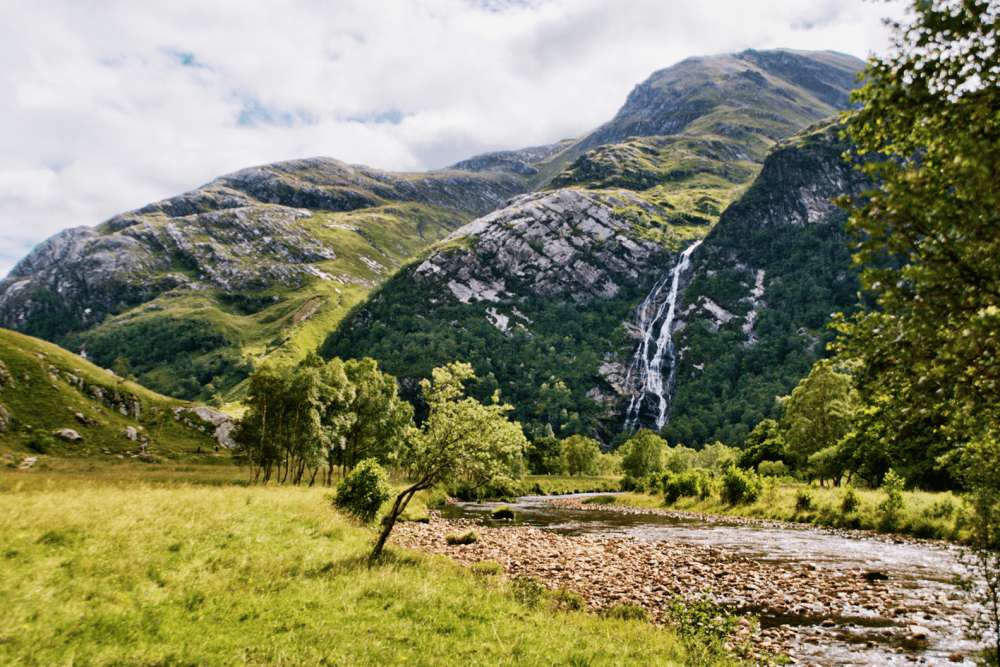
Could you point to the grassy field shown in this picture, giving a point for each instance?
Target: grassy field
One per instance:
(101, 573)
(937, 515)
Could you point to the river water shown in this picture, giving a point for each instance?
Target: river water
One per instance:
(922, 576)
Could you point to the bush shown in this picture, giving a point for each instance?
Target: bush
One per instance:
(685, 485)
(40, 443)
(773, 469)
(803, 500)
(941, 509)
(470, 537)
(626, 611)
(701, 618)
(486, 568)
(363, 492)
(563, 599)
(503, 514)
(851, 502)
(891, 508)
(740, 486)
(527, 590)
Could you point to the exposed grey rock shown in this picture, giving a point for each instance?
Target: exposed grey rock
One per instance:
(5, 418)
(131, 433)
(208, 419)
(6, 379)
(67, 434)
(567, 243)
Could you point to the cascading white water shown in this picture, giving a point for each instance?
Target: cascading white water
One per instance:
(658, 319)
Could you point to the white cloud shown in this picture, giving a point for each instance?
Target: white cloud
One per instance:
(107, 106)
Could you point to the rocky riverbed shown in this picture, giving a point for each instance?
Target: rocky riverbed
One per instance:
(854, 613)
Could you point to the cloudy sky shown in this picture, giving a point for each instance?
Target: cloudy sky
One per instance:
(108, 105)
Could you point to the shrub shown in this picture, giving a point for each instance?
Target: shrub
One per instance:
(503, 514)
(626, 611)
(851, 502)
(803, 500)
(363, 492)
(892, 506)
(685, 484)
(773, 469)
(740, 486)
(469, 537)
(40, 443)
(486, 568)
(701, 618)
(527, 590)
(941, 509)
(563, 599)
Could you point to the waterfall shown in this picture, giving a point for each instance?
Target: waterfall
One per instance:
(655, 317)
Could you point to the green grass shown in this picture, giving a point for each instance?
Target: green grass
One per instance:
(935, 515)
(100, 574)
(41, 401)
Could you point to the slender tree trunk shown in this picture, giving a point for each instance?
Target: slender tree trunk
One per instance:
(398, 507)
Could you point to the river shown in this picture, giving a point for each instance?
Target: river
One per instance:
(915, 580)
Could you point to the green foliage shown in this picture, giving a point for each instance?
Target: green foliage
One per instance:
(772, 469)
(851, 502)
(362, 493)
(503, 514)
(892, 506)
(599, 500)
(819, 411)
(486, 568)
(544, 456)
(702, 618)
(927, 132)
(804, 500)
(458, 539)
(643, 453)
(461, 440)
(765, 443)
(528, 591)
(581, 455)
(375, 419)
(563, 599)
(688, 484)
(740, 486)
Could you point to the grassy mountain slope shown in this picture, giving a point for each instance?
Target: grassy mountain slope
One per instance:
(761, 290)
(43, 388)
(194, 290)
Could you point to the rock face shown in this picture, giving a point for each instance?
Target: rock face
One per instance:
(67, 434)
(565, 244)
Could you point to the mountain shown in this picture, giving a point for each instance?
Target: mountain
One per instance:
(529, 263)
(542, 295)
(194, 290)
(55, 403)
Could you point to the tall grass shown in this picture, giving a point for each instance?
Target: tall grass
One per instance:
(129, 574)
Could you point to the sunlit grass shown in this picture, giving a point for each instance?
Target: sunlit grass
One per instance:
(135, 574)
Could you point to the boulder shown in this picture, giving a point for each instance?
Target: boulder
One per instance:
(131, 433)
(67, 434)
(5, 417)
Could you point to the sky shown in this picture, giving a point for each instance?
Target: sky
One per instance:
(109, 105)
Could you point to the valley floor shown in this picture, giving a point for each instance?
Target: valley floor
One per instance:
(125, 572)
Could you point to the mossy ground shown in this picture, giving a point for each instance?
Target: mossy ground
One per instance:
(103, 573)
(927, 514)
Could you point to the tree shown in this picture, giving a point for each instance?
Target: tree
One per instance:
(544, 456)
(764, 443)
(643, 454)
(380, 416)
(462, 439)
(819, 411)
(580, 455)
(928, 134)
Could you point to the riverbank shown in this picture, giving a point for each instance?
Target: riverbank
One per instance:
(821, 598)
(931, 515)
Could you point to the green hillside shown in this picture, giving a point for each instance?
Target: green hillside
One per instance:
(45, 389)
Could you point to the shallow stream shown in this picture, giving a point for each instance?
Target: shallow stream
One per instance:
(922, 576)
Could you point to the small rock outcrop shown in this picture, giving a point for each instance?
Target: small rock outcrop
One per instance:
(208, 420)
(5, 419)
(67, 434)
